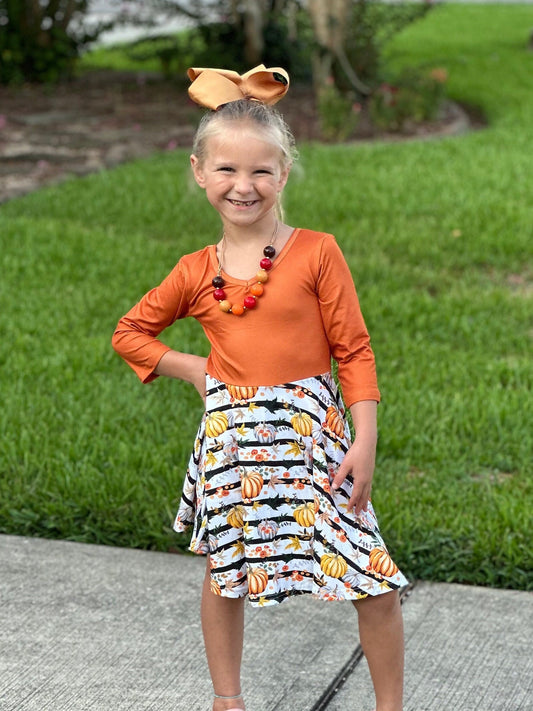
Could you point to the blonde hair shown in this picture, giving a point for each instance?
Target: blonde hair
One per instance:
(268, 120)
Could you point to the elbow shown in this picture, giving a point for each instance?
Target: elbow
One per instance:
(117, 339)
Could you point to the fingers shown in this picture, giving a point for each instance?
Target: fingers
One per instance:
(340, 476)
(359, 500)
(360, 497)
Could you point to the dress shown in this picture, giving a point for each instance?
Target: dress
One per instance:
(257, 491)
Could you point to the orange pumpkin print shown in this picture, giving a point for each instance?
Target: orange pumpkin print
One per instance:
(333, 565)
(251, 485)
(216, 423)
(257, 580)
(235, 516)
(305, 514)
(381, 562)
(302, 423)
(334, 421)
(242, 392)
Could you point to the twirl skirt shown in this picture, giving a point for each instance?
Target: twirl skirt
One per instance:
(258, 495)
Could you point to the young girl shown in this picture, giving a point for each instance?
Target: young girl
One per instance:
(277, 494)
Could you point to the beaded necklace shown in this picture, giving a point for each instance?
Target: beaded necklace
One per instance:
(255, 290)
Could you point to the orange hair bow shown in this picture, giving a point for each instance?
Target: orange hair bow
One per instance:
(214, 87)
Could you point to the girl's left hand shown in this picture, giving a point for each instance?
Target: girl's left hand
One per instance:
(358, 463)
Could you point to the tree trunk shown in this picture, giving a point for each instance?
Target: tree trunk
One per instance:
(253, 31)
(329, 24)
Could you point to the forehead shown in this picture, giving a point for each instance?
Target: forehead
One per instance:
(239, 140)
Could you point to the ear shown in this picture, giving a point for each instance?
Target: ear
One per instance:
(197, 171)
(284, 176)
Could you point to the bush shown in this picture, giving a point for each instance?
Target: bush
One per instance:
(339, 114)
(40, 41)
(372, 26)
(414, 97)
(175, 53)
(224, 45)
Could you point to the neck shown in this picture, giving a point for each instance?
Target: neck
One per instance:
(252, 234)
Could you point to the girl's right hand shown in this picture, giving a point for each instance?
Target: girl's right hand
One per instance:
(199, 381)
(184, 366)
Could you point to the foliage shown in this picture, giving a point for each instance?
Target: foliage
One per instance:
(338, 113)
(372, 26)
(438, 235)
(222, 43)
(352, 61)
(413, 97)
(174, 53)
(40, 41)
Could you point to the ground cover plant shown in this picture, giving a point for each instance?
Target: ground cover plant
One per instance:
(438, 235)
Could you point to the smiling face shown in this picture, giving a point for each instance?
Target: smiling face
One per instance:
(242, 174)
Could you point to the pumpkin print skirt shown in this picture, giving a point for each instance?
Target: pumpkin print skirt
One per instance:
(257, 494)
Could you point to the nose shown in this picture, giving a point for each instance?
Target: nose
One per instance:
(243, 183)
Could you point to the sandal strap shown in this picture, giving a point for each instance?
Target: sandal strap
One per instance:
(237, 696)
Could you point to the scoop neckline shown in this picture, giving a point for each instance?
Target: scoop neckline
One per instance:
(246, 282)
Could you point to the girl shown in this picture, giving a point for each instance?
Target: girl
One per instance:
(276, 493)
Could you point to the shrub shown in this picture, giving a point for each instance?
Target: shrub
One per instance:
(372, 26)
(338, 113)
(40, 41)
(414, 97)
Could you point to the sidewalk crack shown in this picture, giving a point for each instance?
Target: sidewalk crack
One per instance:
(347, 670)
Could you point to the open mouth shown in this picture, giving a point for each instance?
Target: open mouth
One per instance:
(242, 203)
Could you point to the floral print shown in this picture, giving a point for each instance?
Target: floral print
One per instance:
(258, 496)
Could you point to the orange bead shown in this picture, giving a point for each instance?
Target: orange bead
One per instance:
(262, 275)
(237, 309)
(224, 305)
(256, 289)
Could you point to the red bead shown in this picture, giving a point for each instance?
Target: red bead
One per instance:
(266, 263)
(250, 302)
(219, 294)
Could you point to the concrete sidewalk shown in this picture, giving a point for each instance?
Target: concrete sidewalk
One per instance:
(87, 627)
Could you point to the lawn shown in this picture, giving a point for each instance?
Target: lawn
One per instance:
(439, 237)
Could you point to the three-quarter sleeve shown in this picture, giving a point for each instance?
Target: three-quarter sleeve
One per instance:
(135, 337)
(344, 326)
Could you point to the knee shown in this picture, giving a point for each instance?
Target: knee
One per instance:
(378, 605)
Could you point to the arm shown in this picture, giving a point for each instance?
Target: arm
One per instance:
(135, 338)
(184, 366)
(360, 458)
(350, 346)
(344, 326)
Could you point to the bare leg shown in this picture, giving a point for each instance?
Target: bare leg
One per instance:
(223, 629)
(381, 635)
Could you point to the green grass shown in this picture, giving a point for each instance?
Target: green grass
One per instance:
(439, 237)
